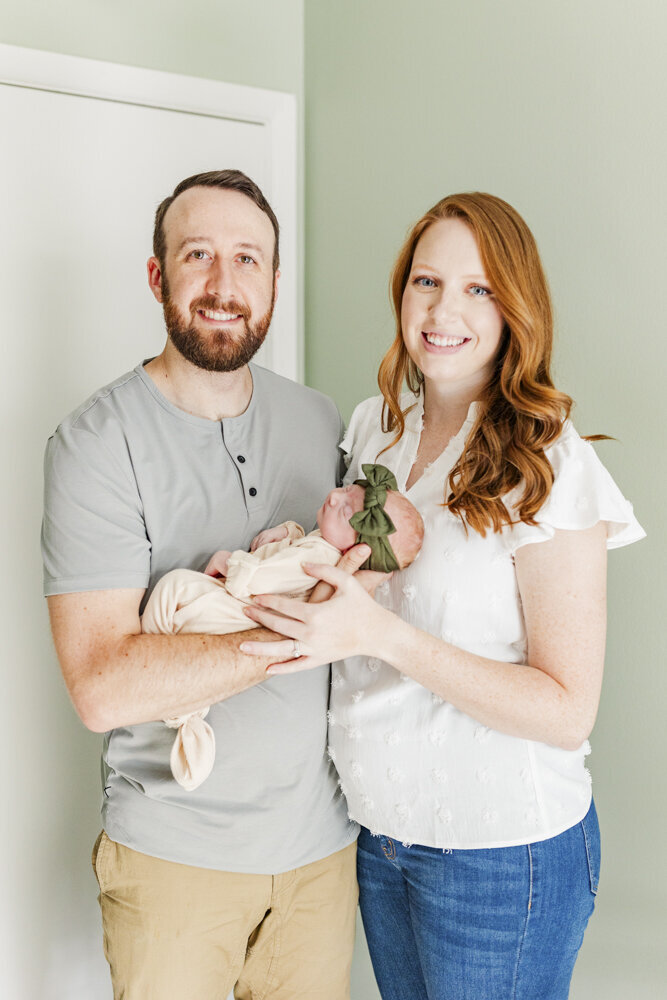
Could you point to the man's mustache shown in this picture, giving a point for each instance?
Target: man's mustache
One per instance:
(216, 304)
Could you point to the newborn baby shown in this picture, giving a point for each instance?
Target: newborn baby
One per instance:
(369, 510)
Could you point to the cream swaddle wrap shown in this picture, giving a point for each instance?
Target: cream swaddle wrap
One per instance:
(186, 601)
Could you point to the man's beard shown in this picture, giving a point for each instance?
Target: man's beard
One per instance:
(219, 350)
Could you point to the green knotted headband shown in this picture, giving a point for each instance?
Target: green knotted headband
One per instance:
(373, 524)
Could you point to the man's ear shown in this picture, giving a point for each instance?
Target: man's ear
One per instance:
(276, 284)
(155, 277)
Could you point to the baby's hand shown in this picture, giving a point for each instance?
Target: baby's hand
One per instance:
(270, 535)
(217, 565)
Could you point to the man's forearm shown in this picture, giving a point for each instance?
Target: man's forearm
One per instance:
(154, 677)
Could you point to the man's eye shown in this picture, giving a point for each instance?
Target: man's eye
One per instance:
(198, 254)
(245, 259)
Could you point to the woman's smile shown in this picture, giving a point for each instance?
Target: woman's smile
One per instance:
(440, 342)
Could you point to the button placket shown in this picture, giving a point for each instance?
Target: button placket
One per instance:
(236, 444)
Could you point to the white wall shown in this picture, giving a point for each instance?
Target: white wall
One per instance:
(50, 935)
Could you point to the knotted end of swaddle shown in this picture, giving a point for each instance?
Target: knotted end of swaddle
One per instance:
(193, 752)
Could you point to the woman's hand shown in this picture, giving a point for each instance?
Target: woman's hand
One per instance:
(331, 630)
(350, 562)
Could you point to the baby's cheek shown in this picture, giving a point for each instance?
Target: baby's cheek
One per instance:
(338, 532)
(350, 537)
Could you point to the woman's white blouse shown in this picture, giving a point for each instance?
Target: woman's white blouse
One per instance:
(411, 765)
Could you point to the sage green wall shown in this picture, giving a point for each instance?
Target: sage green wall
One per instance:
(258, 43)
(559, 107)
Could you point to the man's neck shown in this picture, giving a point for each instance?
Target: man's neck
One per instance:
(211, 395)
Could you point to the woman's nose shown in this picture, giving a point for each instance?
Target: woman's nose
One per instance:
(445, 305)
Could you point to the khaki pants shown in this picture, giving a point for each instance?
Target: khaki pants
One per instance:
(176, 932)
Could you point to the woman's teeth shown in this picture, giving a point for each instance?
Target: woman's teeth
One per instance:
(438, 341)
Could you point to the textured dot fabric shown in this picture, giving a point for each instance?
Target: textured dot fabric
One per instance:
(412, 766)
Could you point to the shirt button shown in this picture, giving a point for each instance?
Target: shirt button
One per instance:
(252, 491)
(240, 458)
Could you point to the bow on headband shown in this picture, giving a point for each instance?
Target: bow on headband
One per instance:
(373, 524)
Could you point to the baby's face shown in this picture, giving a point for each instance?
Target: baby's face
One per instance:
(333, 517)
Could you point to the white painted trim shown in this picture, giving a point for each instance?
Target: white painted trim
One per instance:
(275, 110)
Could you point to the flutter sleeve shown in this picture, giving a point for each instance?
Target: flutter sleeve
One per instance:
(583, 494)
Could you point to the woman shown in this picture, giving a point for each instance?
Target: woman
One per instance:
(461, 710)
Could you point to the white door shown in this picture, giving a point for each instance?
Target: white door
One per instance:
(88, 150)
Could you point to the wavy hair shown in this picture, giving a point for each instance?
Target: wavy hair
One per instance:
(521, 412)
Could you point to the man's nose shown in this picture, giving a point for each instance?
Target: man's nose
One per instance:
(220, 280)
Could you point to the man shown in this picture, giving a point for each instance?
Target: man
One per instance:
(249, 880)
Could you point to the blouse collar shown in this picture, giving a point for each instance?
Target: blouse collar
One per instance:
(414, 423)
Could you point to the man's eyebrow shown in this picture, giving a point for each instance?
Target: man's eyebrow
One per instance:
(191, 239)
(251, 246)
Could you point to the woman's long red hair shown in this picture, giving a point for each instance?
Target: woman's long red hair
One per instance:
(521, 412)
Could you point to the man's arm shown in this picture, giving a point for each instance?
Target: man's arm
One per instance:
(116, 676)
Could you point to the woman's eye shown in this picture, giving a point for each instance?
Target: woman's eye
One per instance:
(479, 291)
(424, 282)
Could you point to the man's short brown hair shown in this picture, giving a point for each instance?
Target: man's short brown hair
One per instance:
(228, 180)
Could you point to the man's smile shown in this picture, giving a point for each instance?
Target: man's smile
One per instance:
(218, 317)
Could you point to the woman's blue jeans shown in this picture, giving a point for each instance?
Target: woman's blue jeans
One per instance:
(493, 924)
